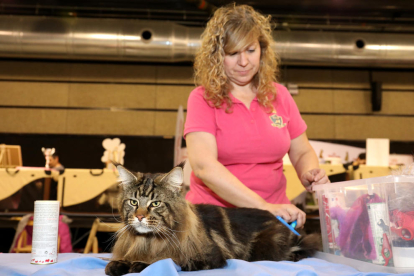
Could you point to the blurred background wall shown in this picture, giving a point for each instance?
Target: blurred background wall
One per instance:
(72, 103)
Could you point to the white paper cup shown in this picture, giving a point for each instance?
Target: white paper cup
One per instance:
(403, 256)
(45, 232)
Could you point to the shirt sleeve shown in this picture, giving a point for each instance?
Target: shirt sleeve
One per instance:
(296, 125)
(200, 115)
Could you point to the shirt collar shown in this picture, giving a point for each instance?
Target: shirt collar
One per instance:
(235, 100)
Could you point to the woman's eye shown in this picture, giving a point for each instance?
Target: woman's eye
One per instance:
(251, 50)
(155, 203)
(133, 202)
(233, 54)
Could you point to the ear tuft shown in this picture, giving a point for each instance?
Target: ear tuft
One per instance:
(125, 176)
(181, 165)
(174, 179)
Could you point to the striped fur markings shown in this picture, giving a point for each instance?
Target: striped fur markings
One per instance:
(240, 250)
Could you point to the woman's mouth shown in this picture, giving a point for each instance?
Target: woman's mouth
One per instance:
(243, 72)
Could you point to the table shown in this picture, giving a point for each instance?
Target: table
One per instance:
(12, 180)
(92, 264)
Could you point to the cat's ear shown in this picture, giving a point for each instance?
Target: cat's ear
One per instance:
(125, 176)
(174, 179)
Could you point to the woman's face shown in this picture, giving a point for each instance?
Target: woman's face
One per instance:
(240, 67)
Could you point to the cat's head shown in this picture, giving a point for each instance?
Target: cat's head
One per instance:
(151, 202)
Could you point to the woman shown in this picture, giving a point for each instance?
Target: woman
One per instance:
(240, 123)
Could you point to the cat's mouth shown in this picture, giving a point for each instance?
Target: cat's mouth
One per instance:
(141, 227)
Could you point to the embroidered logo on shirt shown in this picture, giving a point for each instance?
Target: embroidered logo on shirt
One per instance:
(277, 121)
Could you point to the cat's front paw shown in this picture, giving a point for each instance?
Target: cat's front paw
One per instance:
(117, 268)
(137, 267)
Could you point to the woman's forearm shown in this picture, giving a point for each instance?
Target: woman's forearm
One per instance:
(222, 182)
(305, 162)
(302, 155)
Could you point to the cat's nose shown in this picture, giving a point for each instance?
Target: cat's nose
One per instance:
(140, 217)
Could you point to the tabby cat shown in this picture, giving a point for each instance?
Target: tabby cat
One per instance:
(161, 224)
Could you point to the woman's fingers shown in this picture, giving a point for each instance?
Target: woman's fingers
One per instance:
(285, 215)
(297, 215)
(289, 213)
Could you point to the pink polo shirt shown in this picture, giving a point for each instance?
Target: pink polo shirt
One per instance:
(250, 143)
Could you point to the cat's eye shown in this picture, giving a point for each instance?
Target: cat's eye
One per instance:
(133, 202)
(155, 204)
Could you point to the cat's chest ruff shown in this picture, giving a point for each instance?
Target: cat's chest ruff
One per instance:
(147, 249)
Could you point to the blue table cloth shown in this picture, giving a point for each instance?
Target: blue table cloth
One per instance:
(92, 264)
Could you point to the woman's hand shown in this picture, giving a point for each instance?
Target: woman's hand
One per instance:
(314, 177)
(288, 212)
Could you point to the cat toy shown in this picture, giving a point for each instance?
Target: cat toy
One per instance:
(48, 152)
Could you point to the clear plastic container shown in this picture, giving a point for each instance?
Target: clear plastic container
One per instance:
(370, 220)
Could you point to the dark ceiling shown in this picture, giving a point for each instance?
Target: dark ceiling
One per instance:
(337, 15)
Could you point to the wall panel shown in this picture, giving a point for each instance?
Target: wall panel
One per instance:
(362, 127)
(398, 103)
(314, 100)
(89, 98)
(112, 95)
(28, 120)
(351, 101)
(110, 122)
(176, 74)
(112, 72)
(21, 93)
(34, 70)
(395, 80)
(308, 78)
(165, 123)
(350, 79)
(320, 126)
(172, 96)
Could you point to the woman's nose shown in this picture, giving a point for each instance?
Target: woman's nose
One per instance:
(243, 60)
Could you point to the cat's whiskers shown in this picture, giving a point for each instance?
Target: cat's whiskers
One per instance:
(175, 241)
(113, 210)
(112, 238)
(152, 222)
(173, 235)
(171, 242)
(166, 235)
(110, 226)
(173, 230)
(118, 234)
(156, 228)
(122, 230)
(159, 232)
(166, 241)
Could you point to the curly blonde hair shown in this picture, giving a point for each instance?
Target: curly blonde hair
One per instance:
(230, 30)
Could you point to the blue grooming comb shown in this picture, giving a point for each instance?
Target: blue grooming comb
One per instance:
(290, 226)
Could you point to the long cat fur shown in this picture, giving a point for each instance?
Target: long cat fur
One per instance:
(195, 237)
